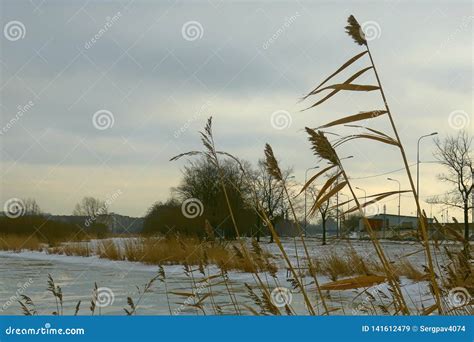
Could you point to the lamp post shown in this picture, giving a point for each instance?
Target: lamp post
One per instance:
(365, 196)
(399, 197)
(305, 201)
(284, 211)
(348, 200)
(337, 200)
(418, 165)
(347, 204)
(365, 201)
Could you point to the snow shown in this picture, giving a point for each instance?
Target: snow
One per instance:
(76, 275)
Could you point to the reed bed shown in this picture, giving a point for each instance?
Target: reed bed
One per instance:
(18, 243)
(72, 249)
(347, 263)
(192, 251)
(172, 251)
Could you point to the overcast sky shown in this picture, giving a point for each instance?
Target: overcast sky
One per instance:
(154, 72)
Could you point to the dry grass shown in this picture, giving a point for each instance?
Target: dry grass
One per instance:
(337, 265)
(406, 269)
(108, 249)
(153, 250)
(18, 243)
(173, 251)
(459, 270)
(346, 264)
(334, 266)
(192, 251)
(79, 249)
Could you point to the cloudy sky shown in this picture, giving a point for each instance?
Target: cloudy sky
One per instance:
(97, 96)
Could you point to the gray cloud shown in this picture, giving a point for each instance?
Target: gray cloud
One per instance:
(253, 59)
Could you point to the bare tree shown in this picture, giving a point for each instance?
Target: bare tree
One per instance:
(270, 193)
(31, 207)
(324, 210)
(455, 152)
(90, 206)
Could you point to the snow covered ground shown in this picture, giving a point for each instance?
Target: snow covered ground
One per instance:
(26, 273)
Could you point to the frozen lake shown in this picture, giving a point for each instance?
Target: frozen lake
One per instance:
(26, 273)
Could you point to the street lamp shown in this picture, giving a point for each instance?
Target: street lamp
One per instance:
(343, 210)
(348, 200)
(365, 196)
(337, 200)
(305, 201)
(284, 211)
(399, 196)
(418, 164)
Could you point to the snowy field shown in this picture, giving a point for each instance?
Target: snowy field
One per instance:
(26, 273)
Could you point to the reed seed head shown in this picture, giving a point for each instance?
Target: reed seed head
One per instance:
(354, 30)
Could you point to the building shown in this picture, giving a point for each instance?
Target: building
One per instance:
(388, 221)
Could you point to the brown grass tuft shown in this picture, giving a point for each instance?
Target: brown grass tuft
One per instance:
(77, 248)
(17, 243)
(108, 249)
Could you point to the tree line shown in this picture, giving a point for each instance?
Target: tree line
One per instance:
(198, 205)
